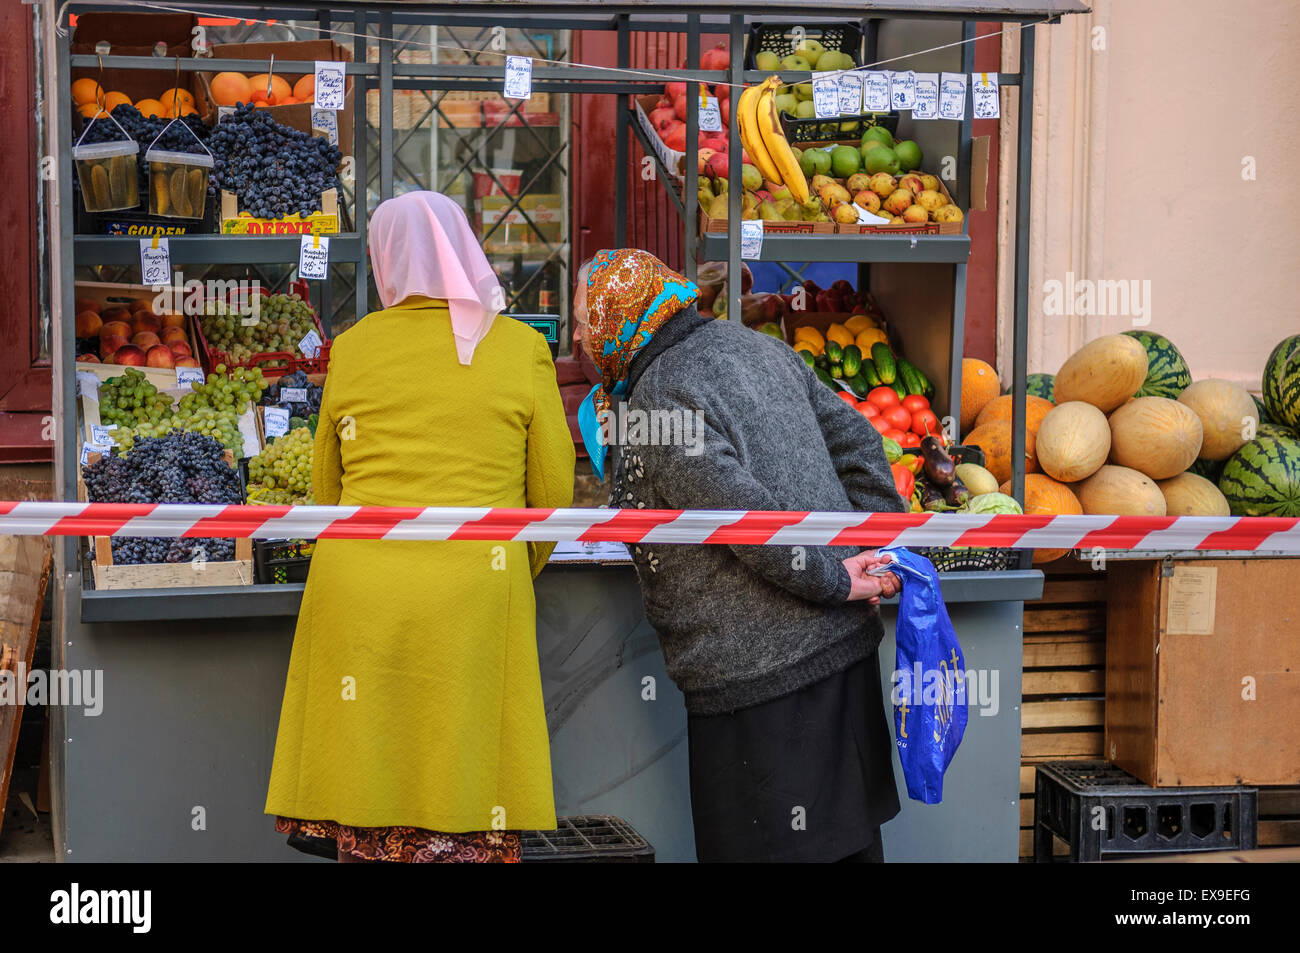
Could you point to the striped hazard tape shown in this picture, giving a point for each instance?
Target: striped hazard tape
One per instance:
(752, 527)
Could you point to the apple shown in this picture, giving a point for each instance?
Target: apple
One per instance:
(146, 321)
(88, 324)
(704, 156)
(186, 362)
(89, 359)
(145, 340)
(130, 355)
(159, 356)
(179, 349)
(110, 343)
(718, 163)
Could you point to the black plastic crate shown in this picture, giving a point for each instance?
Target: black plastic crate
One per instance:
(280, 561)
(588, 839)
(1104, 813)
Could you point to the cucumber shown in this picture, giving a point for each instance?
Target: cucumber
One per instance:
(869, 374)
(858, 385)
(899, 389)
(836, 371)
(807, 358)
(824, 378)
(884, 361)
(822, 361)
(834, 353)
(852, 361)
(913, 379)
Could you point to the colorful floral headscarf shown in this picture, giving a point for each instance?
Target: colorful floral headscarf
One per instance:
(630, 294)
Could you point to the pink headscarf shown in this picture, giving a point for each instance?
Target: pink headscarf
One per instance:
(422, 244)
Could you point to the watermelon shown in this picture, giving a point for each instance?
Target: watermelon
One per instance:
(1167, 373)
(1281, 383)
(1041, 385)
(1275, 430)
(1210, 469)
(1263, 478)
(1264, 418)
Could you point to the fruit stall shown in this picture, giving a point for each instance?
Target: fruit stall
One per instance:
(221, 158)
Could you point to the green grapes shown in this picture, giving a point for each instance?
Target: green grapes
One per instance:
(282, 472)
(131, 399)
(211, 408)
(283, 321)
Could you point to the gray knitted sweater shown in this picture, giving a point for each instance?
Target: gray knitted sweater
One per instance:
(733, 419)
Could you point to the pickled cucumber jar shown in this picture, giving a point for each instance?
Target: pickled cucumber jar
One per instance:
(107, 173)
(178, 183)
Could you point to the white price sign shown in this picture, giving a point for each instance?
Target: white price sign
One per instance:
(314, 257)
(102, 436)
(875, 91)
(88, 448)
(275, 420)
(952, 95)
(330, 84)
(927, 96)
(868, 218)
(984, 95)
(293, 395)
(519, 77)
(155, 261)
(850, 93)
(310, 344)
(826, 95)
(902, 90)
(188, 375)
(710, 114)
(751, 239)
(326, 121)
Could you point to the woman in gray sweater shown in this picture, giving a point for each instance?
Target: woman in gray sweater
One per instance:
(774, 647)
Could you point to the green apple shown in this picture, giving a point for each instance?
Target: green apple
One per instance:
(805, 109)
(767, 61)
(796, 63)
(831, 60)
(811, 49)
(804, 91)
(786, 103)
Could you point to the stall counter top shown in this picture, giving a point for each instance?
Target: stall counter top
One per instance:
(243, 602)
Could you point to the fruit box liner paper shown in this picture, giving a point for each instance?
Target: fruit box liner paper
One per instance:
(929, 687)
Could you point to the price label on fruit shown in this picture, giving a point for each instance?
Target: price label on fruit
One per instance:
(927, 96)
(155, 261)
(293, 395)
(224, 111)
(330, 84)
(875, 91)
(326, 122)
(751, 239)
(314, 257)
(710, 116)
(902, 90)
(952, 95)
(275, 420)
(519, 77)
(984, 95)
(310, 344)
(826, 95)
(188, 375)
(850, 93)
(101, 435)
(88, 385)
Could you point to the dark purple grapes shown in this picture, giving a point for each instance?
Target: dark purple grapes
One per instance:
(274, 169)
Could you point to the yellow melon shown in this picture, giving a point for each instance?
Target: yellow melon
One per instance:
(1228, 416)
(1155, 435)
(1120, 491)
(1073, 441)
(1189, 494)
(1105, 372)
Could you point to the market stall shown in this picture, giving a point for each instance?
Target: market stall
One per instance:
(194, 636)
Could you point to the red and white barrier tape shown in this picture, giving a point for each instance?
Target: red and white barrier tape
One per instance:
(1281, 534)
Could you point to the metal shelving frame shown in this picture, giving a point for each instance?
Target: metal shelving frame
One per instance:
(622, 18)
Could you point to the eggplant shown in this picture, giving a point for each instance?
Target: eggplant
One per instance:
(939, 467)
(957, 494)
(932, 499)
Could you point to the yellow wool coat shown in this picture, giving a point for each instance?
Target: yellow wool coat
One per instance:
(413, 696)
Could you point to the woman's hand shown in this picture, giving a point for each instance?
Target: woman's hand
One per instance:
(864, 585)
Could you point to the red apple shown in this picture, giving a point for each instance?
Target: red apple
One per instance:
(180, 349)
(704, 156)
(186, 362)
(718, 164)
(129, 354)
(88, 324)
(110, 343)
(159, 356)
(146, 321)
(145, 340)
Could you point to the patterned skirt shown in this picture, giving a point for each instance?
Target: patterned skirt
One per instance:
(407, 845)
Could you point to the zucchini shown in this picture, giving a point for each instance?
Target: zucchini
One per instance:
(869, 374)
(852, 361)
(884, 361)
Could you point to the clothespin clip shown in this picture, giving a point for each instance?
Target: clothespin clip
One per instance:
(984, 79)
(315, 239)
(154, 244)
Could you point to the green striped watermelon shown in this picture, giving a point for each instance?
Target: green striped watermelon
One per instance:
(1263, 477)
(1264, 418)
(1167, 373)
(1275, 430)
(1281, 383)
(1042, 385)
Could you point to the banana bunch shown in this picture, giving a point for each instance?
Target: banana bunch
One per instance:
(764, 139)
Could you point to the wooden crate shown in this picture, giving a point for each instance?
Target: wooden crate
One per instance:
(1188, 641)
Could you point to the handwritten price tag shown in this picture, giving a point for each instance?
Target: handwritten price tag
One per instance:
(875, 91)
(88, 448)
(850, 93)
(331, 78)
(155, 261)
(751, 239)
(310, 344)
(188, 375)
(224, 111)
(826, 95)
(102, 436)
(710, 116)
(984, 93)
(902, 90)
(293, 395)
(952, 95)
(314, 257)
(276, 421)
(519, 77)
(927, 96)
(326, 121)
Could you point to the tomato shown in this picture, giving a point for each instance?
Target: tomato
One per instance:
(880, 425)
(883, 397)
(910, 441)
(847, 398)
(893, 433)
(868, 409)
(925, 423)
(898, 418)
(914, 402)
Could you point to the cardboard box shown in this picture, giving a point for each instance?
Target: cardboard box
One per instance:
(135, 34)
(324, 222)
(673, 160)
(296, 115)
(1202, 686)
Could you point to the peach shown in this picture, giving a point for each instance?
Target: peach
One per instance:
(146, 321)
(305, 88)
(172, 319)
(89, 359)
(115, 313)
(180, 349)
(129, 354)
(230, 88)
(173, 334)
(120, 328)
(109, 344)
(87, 304)
(186, 362)
(88, 324)
(137, 306)
(145, 340)
(704, 156)
(280, 88)
(159, 356)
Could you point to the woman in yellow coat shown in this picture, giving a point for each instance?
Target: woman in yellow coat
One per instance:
(413, 725)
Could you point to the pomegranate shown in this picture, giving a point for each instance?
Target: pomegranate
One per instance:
(716, 58)
(662, 116)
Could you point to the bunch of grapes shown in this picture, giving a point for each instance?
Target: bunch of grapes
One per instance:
(282, 472)
(274, 169)
(177, 468)
(282, 321)
(131, 400)
(213, 407)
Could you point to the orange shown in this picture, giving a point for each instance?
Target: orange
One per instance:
(305, 88)
(979, 385)
(151, 107)
(280, 87)
(169, 98)
(115, 99)
(999, 408)
(230, 88)
(90, 109)
(86, 90)
(182, 109)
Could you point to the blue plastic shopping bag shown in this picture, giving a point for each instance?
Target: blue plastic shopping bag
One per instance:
(929, 685)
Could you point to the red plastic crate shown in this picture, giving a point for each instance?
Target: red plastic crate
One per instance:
(210, 356)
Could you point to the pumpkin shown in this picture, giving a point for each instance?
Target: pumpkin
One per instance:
(979, 385)
(1156, 435)
(995, 440)
(1120, 491)
(1190, 495)
(999, 408)
(1105, 372)
(1224, 408)
(1073, 441)
(1047, 496)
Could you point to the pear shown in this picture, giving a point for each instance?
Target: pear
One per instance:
(780, 193)
(787, 209)
(820, 182)
(846, 214)
(948, 213)
(768, 212)
(931, 200)
(834, 194)
(810, 209)
(718, 208)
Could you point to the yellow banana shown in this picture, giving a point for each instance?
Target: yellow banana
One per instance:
(750, 136)
(777, 146)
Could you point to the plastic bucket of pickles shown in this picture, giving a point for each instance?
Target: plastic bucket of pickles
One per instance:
(178, 181)
(107, 173)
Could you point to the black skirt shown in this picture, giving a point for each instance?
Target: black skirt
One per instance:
(805, 777)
